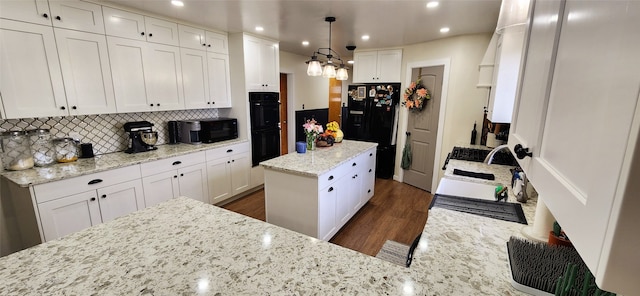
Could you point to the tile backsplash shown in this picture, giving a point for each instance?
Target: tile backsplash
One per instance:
(105, 131)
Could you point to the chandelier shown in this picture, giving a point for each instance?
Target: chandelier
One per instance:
(328, 70)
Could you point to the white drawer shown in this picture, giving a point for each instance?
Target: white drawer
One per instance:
(224, 151)
(332, 176)
(54, 190)
(172, 163)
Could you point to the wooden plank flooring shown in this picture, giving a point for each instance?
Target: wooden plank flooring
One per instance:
(397, 212)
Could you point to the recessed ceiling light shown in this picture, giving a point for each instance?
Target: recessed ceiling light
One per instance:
(259, 29)
(177, 3)
(433, 4)
(350, 62)
(444, 30)
(305, 43)
(365, 37)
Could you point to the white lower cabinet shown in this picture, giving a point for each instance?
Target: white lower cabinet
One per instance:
(176, 176)
(228, 171)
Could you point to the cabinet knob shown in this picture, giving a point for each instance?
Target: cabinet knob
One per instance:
(93, 199)
(58, 18)
(158, 104)
(354, 164)
(74, 107)
(63, 108)
(150, 35)
(208, 45)
(181, 175)
(228, 161)
(233, 160)
(45, 15)
(522, 152)
(330, 189)
(213, 102)
(104, 196)
(208, 103)
(369, 170)
(175, 176)
(330, 178)
(151, 105)
(369, 191)
(142, 33)
(370, 154)
(203, 44)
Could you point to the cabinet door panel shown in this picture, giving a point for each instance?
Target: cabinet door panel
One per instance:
(30, 75)
(31, 11)
(86, 71)
(536, 78)
(389, 65)
(77, 15)
(252, 56)
(69, 214)
(121, 199)
(195, 80)
(219, 84)
(217, 42)
(218, 172)
(344, 210)
(327, 215)
(160, 187)
(193, 182)
(365, 69)
(240, 173)
(191, 37)
(598, 97)
(127, 67)
(161, 31)
(123, 24)
(270, 65)
(164, 75)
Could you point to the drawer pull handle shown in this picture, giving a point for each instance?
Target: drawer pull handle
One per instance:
(330, 178)
(354, 164)
(177, 162)
(94, 181)
(330, 189)
(230, 150)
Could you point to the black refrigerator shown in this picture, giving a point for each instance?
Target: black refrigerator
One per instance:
(371, 115)
(265, 126)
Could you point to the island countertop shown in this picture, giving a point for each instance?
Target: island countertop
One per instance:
(100, 163)
(319, 161)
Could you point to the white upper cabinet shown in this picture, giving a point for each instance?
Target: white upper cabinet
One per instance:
(30, 75)
(86, 72)
(262, 64)
(195, 78)
(579, 115)
(164, 75)
(31, 11)
(131, 25)
(196, 38)
(77, 15)
(127, 66)
(219, 82)
(377, 66)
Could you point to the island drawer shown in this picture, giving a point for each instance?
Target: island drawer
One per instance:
(54, 190)
(171, 163)
(333, 175)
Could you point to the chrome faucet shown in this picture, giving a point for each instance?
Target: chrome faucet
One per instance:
(489, 158)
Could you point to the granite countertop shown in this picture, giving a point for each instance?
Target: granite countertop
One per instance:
(208, 250)
(84, 166)
(319, 161)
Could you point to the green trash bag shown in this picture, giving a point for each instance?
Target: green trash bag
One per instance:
(406, 155)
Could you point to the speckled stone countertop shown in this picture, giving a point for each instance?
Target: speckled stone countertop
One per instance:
(84, 166)
(211, 251)
(322, 160)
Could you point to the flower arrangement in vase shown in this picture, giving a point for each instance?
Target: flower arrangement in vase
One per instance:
(311, 130)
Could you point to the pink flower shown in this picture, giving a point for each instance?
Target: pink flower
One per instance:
(412, 85)
(422, 92)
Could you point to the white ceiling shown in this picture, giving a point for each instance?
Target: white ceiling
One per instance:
(389, 22)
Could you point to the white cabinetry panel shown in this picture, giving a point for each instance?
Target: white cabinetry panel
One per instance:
(123, 24)
(164, 75)
(31, 11)
(160, 187)
(195, 80)
(70, 214)
(161, 31)
(121, 199)
(219, 80)
(86, 71)
(77, 15)
(127, 65)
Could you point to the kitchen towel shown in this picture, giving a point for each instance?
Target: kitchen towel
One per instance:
(406, 154)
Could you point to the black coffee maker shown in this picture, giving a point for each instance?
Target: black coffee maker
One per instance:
(141, 136)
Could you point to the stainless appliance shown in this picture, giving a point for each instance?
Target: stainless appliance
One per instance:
(265, 125)
(141, 136)
(190, 132)
(218, 129)
(371, 116)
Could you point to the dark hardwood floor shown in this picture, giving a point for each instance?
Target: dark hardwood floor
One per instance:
(396, 212)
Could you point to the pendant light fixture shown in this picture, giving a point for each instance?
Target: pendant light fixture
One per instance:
(316, 68)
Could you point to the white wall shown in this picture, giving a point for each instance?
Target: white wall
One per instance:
(464, 103)
(313, 92)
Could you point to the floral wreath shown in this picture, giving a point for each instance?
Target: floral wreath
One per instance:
(415, 95)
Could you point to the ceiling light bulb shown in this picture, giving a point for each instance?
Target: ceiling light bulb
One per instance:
(365, 37)
(259, 29)
(433, 4)
(305, 43)
(444, 30)
(329, 71)
(177, 3)
(342, 73)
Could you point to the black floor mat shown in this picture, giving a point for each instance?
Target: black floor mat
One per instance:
(505, 211)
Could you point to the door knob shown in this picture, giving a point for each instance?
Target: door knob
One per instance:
(522, 152)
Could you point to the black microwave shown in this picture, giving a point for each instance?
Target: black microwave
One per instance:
(218, 129)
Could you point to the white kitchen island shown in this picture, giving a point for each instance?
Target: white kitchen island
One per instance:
(317, 192)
